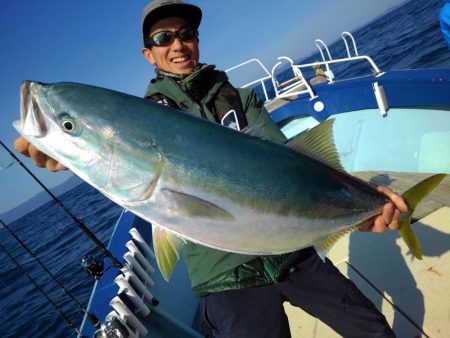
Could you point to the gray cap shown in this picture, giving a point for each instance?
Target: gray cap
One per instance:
(160, 9)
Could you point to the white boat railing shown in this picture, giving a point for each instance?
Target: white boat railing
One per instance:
(294, 86)
(298, 84)
(344, 36)
(328, 61)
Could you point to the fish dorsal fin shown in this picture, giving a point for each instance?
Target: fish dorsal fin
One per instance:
(167, 246)
(323, 247)
(193, 207)
(318, 143)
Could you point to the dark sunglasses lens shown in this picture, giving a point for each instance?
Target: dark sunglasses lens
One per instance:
(166, 38)
(163, 38)
(187, 34)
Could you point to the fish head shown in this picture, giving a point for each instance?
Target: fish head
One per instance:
(84, 128)
(53, 125)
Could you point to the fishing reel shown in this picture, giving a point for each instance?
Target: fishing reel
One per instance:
(92, 266)
(112, 328)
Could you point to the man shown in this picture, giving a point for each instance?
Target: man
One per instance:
(242, 295)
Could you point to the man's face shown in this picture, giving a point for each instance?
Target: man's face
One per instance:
(180, 57)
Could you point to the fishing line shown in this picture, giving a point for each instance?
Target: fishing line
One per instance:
(92, 318)
(387, 299)
(98, 243)
(9, 289)
(57, 308)
(3, 168)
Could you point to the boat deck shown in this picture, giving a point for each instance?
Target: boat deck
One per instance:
(411, 293)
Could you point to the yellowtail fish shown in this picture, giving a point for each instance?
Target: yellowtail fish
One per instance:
(199, 181)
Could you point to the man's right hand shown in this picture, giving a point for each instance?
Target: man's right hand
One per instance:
(39, 158)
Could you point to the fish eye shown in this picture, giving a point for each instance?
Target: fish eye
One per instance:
(67, 123)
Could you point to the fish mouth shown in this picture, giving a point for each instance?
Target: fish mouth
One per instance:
(32, 118)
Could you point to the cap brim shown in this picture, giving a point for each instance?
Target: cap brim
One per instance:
(190, 13)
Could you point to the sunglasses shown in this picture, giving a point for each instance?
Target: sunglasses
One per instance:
(166, 38)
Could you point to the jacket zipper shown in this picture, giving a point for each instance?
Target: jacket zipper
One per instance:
(202, 113)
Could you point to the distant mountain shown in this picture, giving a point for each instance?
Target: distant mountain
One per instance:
(40, 199)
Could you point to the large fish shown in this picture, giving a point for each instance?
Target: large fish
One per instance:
(199, 181)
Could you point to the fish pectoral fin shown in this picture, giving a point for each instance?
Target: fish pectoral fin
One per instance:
(412, 197)
(186, 205)
(324, 247)
(167, 246)
(318, 143)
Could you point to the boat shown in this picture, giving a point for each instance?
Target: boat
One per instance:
(411, 108)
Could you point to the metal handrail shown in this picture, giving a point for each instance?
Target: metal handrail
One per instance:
(319, 43)
(291, 86)
(289, 90)
(329, 74)
(344, 36)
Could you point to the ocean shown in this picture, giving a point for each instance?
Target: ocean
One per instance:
(58, 242)
(408, 37)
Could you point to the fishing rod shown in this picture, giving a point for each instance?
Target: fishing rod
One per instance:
(84, 228)
(57, 308)
(92, 318)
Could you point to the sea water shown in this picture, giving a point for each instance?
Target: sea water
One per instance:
(408, 37)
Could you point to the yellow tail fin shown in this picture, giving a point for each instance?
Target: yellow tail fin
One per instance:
(412, 197)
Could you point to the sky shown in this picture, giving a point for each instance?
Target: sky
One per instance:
(98, 42)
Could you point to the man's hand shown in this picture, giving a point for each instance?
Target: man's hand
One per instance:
(390, 214)
(39, 158)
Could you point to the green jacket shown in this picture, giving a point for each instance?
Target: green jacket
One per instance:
(212, 270)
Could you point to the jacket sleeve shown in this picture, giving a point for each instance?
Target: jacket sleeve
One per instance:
(258, 117)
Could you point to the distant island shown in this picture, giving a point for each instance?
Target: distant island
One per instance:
(40, 199)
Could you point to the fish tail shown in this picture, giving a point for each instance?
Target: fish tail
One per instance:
(412, 197)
